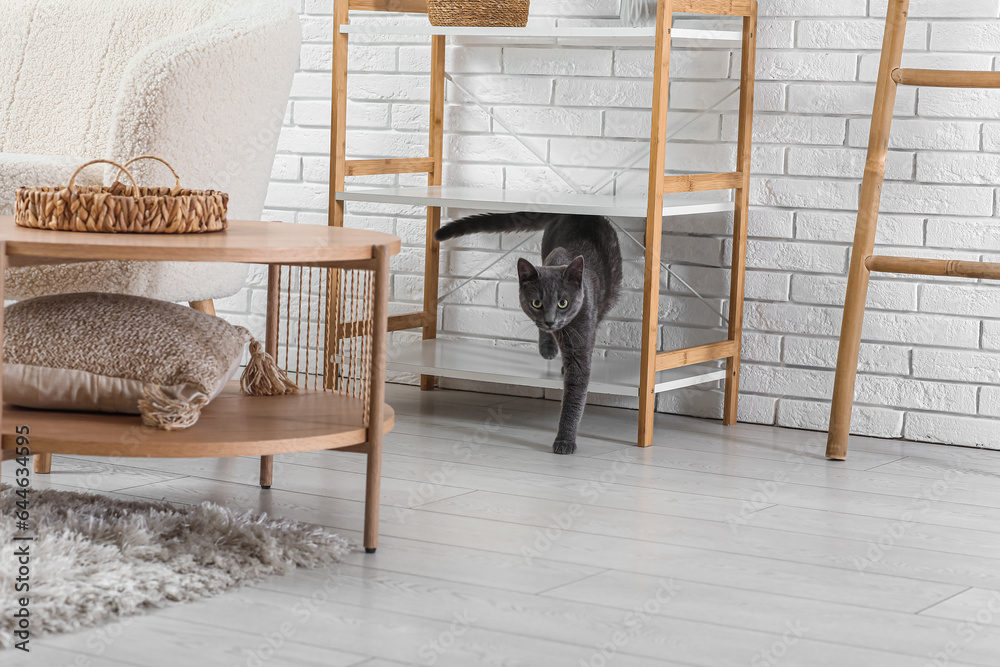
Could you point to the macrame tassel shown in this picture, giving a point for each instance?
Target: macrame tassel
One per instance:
(170, 413)
(263, 377)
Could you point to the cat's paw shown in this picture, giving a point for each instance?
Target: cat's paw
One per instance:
(564, 447)
(547, 346)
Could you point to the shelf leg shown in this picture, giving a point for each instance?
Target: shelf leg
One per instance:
(864, 235)
(380, 325)
(654, 224)
(740, 218)
(432, 269)
(432, 258)
(338, 180)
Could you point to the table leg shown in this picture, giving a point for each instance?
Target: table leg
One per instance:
(380, 325)
(43, 464)
(271, 347)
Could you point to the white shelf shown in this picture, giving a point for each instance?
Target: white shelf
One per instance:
(513, 201)
(678, 35)
(466, 360)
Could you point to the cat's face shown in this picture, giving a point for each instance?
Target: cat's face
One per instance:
(551, 296)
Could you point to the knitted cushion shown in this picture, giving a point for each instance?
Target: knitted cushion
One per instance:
(123, 354)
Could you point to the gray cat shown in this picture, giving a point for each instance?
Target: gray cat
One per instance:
(567, 297)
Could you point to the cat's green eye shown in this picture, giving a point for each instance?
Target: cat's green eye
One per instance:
(536, 304)
(564, 304)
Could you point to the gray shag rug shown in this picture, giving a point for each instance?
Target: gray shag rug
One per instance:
(95, 559)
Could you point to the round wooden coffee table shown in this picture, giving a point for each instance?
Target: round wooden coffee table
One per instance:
(233, 424)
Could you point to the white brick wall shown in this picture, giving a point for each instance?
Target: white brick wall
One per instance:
(931, 360)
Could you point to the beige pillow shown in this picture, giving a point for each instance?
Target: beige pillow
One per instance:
(123, 354)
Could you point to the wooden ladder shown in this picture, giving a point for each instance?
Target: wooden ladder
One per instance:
(863, 262)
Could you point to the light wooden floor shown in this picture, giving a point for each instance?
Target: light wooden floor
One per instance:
(716, 547)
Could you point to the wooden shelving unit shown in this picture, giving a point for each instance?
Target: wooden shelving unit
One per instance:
(668, 196)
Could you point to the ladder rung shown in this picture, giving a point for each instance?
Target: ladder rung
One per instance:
(420, 165)
(943, 78)
(406, 6)
(407, 321)
(702, 182)
(717, 7)
(696, 355)
(933, 267)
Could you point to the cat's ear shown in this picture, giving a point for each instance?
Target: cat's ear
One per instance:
(526, 271)
(574, 272)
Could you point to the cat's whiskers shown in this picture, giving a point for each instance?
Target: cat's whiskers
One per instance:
(527, 329)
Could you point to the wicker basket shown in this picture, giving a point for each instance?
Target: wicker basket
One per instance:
(122, 208)
(479, 13)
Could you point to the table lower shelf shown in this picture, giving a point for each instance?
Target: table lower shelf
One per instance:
(466, 360)
(232, 425)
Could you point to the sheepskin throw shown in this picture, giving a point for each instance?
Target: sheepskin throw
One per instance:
(116, 353)
(202, 83)
(96, 559)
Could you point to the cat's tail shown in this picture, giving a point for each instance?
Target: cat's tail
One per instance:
(494, 223)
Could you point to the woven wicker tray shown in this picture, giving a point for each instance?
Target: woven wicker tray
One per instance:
(122, 208)
(478, 13)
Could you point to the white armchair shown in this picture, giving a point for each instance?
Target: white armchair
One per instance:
(201, 83)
